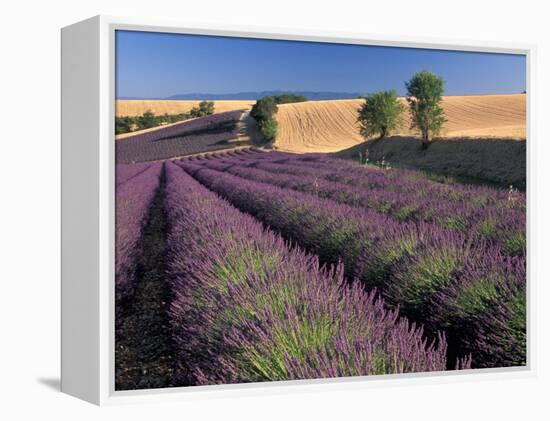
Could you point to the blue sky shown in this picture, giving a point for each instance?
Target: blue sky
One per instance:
(157, 65)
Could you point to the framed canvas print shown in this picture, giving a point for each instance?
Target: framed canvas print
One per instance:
(246, 209)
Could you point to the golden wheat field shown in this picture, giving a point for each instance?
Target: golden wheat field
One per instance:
(136, 107)
(330, 126)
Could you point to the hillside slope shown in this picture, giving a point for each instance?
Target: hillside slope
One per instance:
(204, 134)
(330, 126)
(498, 160)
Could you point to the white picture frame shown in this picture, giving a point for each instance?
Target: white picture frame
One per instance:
(88, 101)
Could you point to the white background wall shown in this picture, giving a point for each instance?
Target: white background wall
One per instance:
(29, 220)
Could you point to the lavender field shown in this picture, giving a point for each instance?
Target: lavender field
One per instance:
(203, 134)
(252, 266)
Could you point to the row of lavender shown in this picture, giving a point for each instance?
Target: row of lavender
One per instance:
(447, 279)
(375, 177)
(136, 186)
(248, 307)
(485, 213)
(202, 134)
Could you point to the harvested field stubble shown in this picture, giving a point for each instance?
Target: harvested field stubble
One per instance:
(330, 126)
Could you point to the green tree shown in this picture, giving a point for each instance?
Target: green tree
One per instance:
(424, 95)
(147, 120)
(269, 128)
(264, 109)
(123, 124)
(195, 112)
(288, 98)
(380, 114)
(206, 107)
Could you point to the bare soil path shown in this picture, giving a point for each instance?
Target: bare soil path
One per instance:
(143, 345)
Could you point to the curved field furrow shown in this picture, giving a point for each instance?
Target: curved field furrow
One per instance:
(203, 134)
(330, 126)
(322, 126)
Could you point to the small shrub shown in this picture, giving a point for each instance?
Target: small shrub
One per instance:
(123, 124)
(127, 124)
(147, 120)
(204, 108)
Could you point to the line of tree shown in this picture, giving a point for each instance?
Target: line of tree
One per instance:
(288, 98)
(382, 112)
(264, 111)
(127, 124)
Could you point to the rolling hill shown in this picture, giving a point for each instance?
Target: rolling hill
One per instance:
(330, 126)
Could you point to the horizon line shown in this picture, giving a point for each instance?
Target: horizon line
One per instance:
(170, 98)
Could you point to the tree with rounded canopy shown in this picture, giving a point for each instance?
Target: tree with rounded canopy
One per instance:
(380, 114)
(264, 108)
(206, 107)
(424, 95)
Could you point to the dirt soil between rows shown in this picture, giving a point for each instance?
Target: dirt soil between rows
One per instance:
(143, 345)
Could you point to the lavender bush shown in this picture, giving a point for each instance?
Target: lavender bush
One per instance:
(133, 200)
(247, 307)
(411, 262)
(482, 214)
(486, 311)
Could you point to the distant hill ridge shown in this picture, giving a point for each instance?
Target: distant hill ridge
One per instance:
(310, 95)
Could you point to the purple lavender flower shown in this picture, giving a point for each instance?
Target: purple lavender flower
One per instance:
(411, 263)
(134, 193)
(247, 306)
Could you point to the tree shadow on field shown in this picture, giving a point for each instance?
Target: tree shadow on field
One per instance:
(498, 160)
